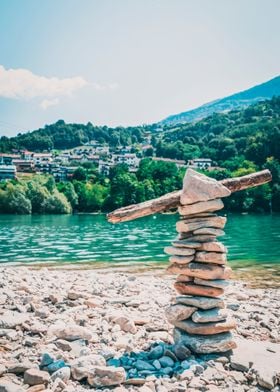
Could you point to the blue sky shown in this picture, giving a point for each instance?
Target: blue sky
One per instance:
(129, 62)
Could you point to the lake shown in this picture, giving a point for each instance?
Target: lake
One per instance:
(251, 239)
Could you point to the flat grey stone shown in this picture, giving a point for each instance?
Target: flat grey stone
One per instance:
(217, 222)
(171, 250)
(186, 244)
(179, 312)
(200, 302)
(210, 315)
(200, 344)
(209, 231)
(219, 283)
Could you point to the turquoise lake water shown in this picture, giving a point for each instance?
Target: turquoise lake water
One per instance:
(251, 239)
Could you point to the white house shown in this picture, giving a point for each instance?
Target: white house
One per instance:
(200, 163)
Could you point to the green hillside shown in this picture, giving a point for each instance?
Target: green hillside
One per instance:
(236, 101)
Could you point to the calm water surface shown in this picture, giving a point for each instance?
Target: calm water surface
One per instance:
(251, 239)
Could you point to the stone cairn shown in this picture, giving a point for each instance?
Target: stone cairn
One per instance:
(199, 259)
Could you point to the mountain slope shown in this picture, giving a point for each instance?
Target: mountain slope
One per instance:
(239, 100)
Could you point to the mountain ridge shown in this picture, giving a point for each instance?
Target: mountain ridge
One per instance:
(237, 100)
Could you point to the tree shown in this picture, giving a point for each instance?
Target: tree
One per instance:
(57, 204)
(80, 174)
(15, 201)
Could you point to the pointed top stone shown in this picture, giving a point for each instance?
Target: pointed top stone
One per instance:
(198, 187)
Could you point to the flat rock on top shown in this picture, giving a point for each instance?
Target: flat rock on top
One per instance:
(198, 187)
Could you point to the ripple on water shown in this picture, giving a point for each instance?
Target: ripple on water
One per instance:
(253, 240)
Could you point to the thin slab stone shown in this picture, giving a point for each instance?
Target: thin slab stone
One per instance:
(200, 344)
(211, 257)
(219, 283)
(184, 278)
(206, 271)
(186, 244)
(179, 312)
(206, 328)
(181, 259)
(213, 246)
(210, 315)
(217, 222)
(200, 302)
(209, 231)
(195, 216)
(197, 238)
(198, 187)
(194, 289)
(204, 206)
(170, 250)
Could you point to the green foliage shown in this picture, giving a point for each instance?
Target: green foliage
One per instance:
(80, 174)
(239, 142)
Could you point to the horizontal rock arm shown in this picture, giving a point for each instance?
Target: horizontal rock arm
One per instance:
(172, 200)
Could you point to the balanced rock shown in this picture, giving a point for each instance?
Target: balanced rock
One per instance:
(210, 315)
(201, 302)
(211, 328)
(219, 283)
(200, 344)
(197, 238)
(206, 271)
(213, 246)
(106, 376)
(204, 206)
(186, 244)
(194, 289)
(211, 257)
(209, 231)
(215, 222)
(198, 187)
(181, 259)
(184, 278)
(170, 250)
(179, 312)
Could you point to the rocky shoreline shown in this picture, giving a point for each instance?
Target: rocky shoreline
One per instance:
(75, 330)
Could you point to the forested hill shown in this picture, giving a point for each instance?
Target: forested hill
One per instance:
(64, 136)
(252, 133)
(239, 100)
(239, 142)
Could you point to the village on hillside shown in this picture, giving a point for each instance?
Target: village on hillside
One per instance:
(62, 164)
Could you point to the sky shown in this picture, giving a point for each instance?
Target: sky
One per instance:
(129, 62)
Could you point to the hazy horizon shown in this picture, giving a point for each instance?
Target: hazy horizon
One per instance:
(129, 62)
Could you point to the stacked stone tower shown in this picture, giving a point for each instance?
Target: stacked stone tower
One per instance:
(199, 316)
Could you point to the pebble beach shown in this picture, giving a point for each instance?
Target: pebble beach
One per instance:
(70, 329)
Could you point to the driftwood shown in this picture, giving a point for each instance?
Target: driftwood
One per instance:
(172, 200)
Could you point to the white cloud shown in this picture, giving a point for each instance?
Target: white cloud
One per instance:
(22, 84)
(46, 103)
